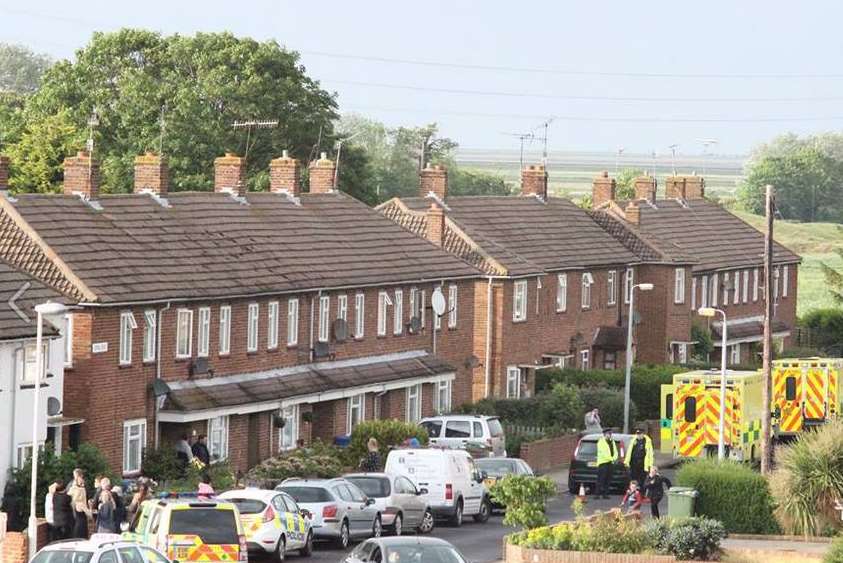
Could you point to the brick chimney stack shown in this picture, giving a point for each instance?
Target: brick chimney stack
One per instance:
(534, 181)
(436, 224)
(675, 187)
(152, 173)
(645, 188)
(4, 173)
(230, 174)
(694, 187)
(602, 190)
(285, 175)
(322, 175)
(633, 213)
(434, 178)
(82, 175)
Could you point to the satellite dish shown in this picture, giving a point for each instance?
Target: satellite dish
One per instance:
(437, 301)
(414, 325)
(53, 406)
(340, 329)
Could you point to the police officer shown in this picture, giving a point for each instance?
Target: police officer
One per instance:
(639, 456)
(607, 455)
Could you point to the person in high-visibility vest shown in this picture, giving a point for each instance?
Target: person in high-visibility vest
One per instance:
(639, 456)
(607, 455)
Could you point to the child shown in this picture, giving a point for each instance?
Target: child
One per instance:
(632, 499)
(205, 489)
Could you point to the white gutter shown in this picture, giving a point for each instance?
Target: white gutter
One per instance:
(488, 359)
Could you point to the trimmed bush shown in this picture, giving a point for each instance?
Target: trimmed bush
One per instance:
(610, 403)
(835, 553)
(318, 461)
(388, 433)
(220, 474)
(687, 538)
(525, 499)
(732, 493)
(826, 327)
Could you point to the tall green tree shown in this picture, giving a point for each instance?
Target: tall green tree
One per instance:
(625, 183)
(21, 69)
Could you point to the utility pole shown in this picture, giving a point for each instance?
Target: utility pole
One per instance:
(766, 440)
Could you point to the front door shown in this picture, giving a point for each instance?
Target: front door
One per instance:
(253, 457)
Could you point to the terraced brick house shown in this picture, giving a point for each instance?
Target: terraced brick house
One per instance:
(263, 320)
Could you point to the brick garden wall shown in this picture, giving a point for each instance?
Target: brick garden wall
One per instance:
(550, 453)
(15, 546)
(516, 554)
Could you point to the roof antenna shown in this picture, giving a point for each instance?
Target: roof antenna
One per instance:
(249, 126)
(93, 123)
(530, 136)
(316, 148)
(673, 148)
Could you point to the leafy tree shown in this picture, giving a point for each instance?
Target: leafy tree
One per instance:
(37, 155)
(525, 499)
(469, 182)
(827, 324)
(625, 183)
(703, 345)
(11, 118)
(21, 69)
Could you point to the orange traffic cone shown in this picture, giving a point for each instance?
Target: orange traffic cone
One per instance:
(582, 496)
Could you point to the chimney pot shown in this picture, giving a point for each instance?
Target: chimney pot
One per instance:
(322, 175)
(534, 181)
(633, 213)
(602, 190)
(645, 188)
(4, 172)
(230, 174)
(152, 173)
(436, 224)
(82, 175)
(434, 178)
(285, 175)
(285, 154)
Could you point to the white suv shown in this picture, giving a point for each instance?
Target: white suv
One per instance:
(101, 548)
(464, 430)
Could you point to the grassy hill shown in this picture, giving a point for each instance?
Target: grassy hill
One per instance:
(816, 243)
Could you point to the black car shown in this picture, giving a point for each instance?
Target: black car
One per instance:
(583, 469)
(405, 549)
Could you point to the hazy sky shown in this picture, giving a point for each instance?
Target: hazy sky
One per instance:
(603, 69)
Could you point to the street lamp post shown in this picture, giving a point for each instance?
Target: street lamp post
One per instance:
(48, 309)
(721, 437)
(642, 287)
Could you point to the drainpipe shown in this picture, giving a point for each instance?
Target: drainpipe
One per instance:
(159, 328)
(488, 360)
(312, 315)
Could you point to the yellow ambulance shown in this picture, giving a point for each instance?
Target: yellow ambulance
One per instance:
(805, 393)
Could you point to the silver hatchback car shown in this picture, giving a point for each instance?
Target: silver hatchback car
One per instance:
(402, 505)
(340, 510)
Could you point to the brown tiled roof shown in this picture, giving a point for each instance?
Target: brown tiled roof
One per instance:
(610, 338)
(207, 245)
(749, 329)
(716, 238)
(29, 292)
(301, 380)
(526, 235)
(642, 245)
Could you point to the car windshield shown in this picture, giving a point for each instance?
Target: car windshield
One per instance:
(213, 526)
(496, 467)
(495, 427)
(587, 451)
(423, 554)
(63, 556)
(308, 494)
(375, 487)
(248, 505)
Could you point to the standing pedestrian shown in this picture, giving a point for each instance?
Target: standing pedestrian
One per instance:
(200, 450)
(184, 453)
(79, 502)
(205, 491)
(607, 455)
(105, 510)
(62, 512)
(639, 456)
(372, 462)
(140, 495)
(119, 508)
(654, 489)
(592, 422)
(48, 513)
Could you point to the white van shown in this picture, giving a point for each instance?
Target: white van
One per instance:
(454, 484)
(463, 430)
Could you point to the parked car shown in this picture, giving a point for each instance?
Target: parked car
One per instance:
(340, 510)
(101, 548)
(402, 505)
(273, 522)
(190, 529)
(583, 469)
(405, 550)
(466, 430)
(496, 468)
(454, 484)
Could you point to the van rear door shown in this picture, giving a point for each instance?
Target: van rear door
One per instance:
(425, 468)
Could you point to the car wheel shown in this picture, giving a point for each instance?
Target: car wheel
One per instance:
(281, 550)
(485, 511)
(377, 528)
(307, 550)
(456, 519)
(573, 488)
(427, 523)
(397, 527)
(345, 535)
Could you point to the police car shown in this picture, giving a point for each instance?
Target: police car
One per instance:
(272, 521)
(101, 548)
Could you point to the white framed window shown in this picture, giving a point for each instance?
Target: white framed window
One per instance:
(324, 318)
(519, 301)
(682, 353)
(453, 296)
(725, 288)
(628, 279)
(359, 315)
(27, 361)
(134, 442)
(225, 330)
(513, 382)
(414, 403)
(24, 452)
(272, 325)
(611, 284)
(785, 279)
(342, 307)
(356, 410)
(736, 298)
(693, 293)
(585, 360)
(714, 289)
(289, 435)
(383, 302)
(437, 320)
(704, 291)
(127, 325)
(252, 328)
(184, 333)
(150, 335)
(68, 340)
(398, 313)
(218, 438)
(203, 338)
(679, 286)
(735, 354)
(745, 281)
(442, 397)
(293, 322)
(755, 285)
(776, 272)
(587, 282)
(561, 293)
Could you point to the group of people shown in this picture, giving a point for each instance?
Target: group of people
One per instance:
(68, 509)
(197, 451)
(646, 485)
